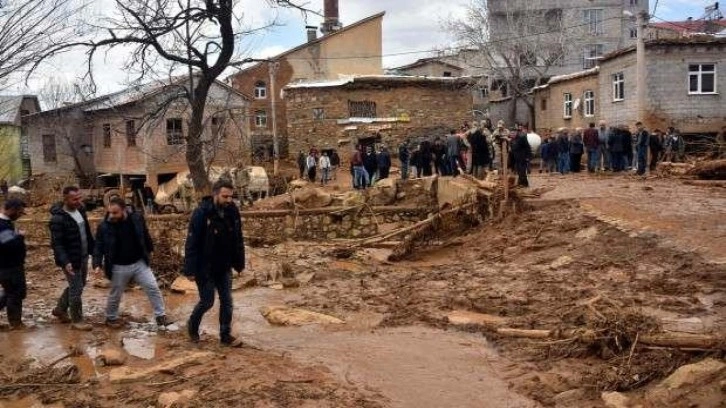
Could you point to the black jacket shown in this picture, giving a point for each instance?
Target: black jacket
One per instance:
(12, 249)
(65, 237)
(521, 150)
(104, 251)
(200, 244)
(479, 148)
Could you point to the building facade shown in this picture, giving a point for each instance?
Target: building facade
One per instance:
(355, 49)
(567, 101)
(683, 81)
(338, 115)
(14, 155)
(138, 133)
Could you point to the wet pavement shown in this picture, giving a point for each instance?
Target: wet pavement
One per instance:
(409, 366)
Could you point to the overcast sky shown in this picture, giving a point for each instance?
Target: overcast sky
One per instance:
(411, 28)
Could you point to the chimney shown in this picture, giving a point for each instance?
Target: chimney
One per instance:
(312, 33)
(331, 22)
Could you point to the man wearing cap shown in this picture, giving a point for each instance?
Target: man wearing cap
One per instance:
(12, 262)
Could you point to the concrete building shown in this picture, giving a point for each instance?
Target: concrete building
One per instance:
(355, 49)
(683, 78)
(14, 156)
(137, 134)
(679, 29)
(567, 101)
(374, 109)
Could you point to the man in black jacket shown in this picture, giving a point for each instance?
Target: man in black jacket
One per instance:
(213, 248)
(12, 262)
(72, 241)
(123, 245)
(522, 154)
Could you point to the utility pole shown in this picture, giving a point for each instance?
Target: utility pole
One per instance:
(272, 68)
(641, 21)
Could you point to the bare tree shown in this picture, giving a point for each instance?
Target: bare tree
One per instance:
(57, 92)
(30, 30)
(166, 37)
(517, 44)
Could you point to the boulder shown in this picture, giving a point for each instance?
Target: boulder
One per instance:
(685, 377)
(615, 400)
(183, 285)
(313, 198)
(287, 316)
(383, 192)
(175, 399)
(111, 356)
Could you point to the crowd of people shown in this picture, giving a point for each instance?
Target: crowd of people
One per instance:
(121, 250)
(309, 164)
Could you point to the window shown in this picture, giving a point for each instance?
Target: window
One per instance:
(593, 21)
(363, 109)
(589, 103)
(318, 113)
(633, 2)
(130, 133)
(260, 90)
(484, 91)
(568, 106)
(106, 135)
(219, 128)
(49, 153)
(618, 87)
(702, 79)
(591, 55)
(543, 104)
(261, 119)
(447, 73)
(174, 132)
(633, 32)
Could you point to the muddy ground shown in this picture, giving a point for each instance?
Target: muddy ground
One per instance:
(565, 262)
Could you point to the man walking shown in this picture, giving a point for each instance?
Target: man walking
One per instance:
(214, 247)
(12, 262)
(521, 154)
(71, 240)
(123, 245)
(642, 141)
(592, 144)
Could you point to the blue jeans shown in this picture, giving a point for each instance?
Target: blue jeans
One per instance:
(70, 300)
(593, 159)
(404, 169)
(605, 157)
(563, 163)
(642, 159)
(360, 177)
(141, 274)
(222, 282)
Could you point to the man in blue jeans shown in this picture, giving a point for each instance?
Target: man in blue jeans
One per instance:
(71, 241)
(123, 248)
(214, 247)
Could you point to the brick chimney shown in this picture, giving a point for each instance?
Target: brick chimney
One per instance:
(312, 33)
(331, 22)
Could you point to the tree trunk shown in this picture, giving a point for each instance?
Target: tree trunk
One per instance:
(195, 145)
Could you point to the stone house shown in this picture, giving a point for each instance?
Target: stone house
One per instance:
(137, 134)
(355, 49)
(682, 80)
(432, 67)
(373, 110)
(14, 157)
(567, 101)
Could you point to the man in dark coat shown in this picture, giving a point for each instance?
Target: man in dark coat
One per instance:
(592, 144)
(617, 149)
(12, 262)
(425, 155)
(122, 251)
(404, 156)
(521, 154)
(384, 163)
(302, 163)
(214, 247)
(439, 151)
(656, 148)
(72, 242)
(370, 163)
(642, 142)
(480, 155)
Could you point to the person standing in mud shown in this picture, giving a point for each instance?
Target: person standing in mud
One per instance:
(521, 155)
(214, 247)
(12, 262)
(71, 240)
(122, 251)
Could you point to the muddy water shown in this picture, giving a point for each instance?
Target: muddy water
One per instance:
(409, 366)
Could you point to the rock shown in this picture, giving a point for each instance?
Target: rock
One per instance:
(126, 374)
(570, 396)
(175, 399)
(298, 183)
(697, 373)
(286, 316)
(305, 277)
(244, 282)
(102, 283)
(587, 234)
(313, 198)
(562, 261)
(183, 285)
(464, 317)
(111, 356)
(383, 192)
(615, 400)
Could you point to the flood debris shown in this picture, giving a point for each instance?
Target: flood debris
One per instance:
(128, 374)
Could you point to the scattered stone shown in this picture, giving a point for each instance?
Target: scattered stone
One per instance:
(286, 316)
(102, 283)
(562, 261)
(615, 400)
(127, 374)
(690, 374)
(111, 356)
(570, 396)
(464, 317)
(306, 277)
(587, 234)
(183, 285)
(175, 399)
